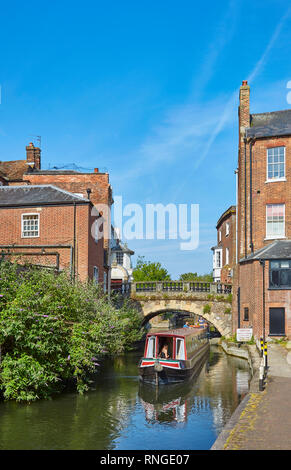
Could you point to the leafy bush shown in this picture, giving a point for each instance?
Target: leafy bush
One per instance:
(53, 331)
(229, 298)
(210, 297)
(206, 308)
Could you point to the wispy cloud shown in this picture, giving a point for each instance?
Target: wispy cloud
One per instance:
(186, 127)
(261, 62)
(187, 132)
(223, 35)
(229, 107)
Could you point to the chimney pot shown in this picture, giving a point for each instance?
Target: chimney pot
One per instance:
(96, 170)
(244, 83)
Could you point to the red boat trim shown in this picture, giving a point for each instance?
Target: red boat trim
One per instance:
(174, 365)
(147, 363)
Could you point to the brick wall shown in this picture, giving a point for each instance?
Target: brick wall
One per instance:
(101, 193)
(227, 241)
(251, 296)
(274, 192)
(248, 275)
(57, 228)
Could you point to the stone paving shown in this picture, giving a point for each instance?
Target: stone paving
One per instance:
(263, 420)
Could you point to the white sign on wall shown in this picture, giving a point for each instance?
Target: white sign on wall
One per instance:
(244, 334)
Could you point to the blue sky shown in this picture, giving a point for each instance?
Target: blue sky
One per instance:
(146, 90)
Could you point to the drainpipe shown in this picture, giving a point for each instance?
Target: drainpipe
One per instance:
(251, 198)
(74, 245)
(262, 263)
(236, 216)
(238, 307)
(245, 148)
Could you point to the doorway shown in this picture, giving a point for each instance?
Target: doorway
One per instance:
(277, 321)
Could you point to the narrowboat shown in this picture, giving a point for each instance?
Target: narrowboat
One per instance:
(186, 348)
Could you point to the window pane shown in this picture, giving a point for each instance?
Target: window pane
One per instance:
(275, 162)
(274, 279)
(30, 225)
(275, 220)
(285, 278)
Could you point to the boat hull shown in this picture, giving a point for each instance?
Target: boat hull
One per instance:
(161, 372)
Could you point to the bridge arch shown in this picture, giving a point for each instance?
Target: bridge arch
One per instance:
(216, 316)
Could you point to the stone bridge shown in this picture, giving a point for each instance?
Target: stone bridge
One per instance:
(211, 301)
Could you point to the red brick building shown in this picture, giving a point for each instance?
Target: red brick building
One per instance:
(224, 253)
(70, 220)
(262, 287)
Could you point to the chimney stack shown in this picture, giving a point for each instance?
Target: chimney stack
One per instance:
(33, 156)
(244, 108)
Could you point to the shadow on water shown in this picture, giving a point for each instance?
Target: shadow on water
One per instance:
(121, 413)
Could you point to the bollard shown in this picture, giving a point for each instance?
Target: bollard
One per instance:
(266, 357)
(262, 347)
(261, 378)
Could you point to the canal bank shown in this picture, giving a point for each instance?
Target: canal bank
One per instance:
(262, 421)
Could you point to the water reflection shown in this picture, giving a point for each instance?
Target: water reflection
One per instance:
(121, 413)
(169, 402)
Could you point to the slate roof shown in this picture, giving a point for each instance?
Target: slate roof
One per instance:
(122, 247)
(231, 210)
(278, 249)
(37, 195)
(271, 124)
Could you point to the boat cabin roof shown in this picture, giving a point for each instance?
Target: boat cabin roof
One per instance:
(178, 332)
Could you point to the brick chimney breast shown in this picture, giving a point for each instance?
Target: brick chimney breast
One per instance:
(33, 156)
(244, 108)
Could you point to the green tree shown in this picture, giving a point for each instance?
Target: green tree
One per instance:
(196, 277)
(149, 271)
(188, 277)
(54, 332)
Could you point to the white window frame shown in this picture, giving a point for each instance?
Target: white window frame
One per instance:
(219, 235)
(22, 224)
(182, 350)
(282, 178)
(275, 237)
(151, 339)
(227, 229)
(215, 259)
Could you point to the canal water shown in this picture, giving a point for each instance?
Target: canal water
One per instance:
(120, 413)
